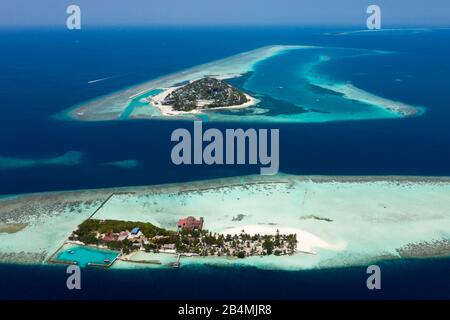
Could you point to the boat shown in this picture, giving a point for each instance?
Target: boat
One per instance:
(106, 261)
(71, 252)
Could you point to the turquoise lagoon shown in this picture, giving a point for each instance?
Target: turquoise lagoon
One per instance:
(83, 255)
(138, 102)
(295, 87)
(291, 84)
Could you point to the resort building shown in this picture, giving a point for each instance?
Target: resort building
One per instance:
(110, 237)
(134, 234)
(168, 246)
(123, 235)
(190, 223)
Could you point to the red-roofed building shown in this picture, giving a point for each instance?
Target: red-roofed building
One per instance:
(110, 237)
(123, 235)
(190, 223)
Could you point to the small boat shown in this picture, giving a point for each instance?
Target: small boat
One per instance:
(106, 261)
(71, 252)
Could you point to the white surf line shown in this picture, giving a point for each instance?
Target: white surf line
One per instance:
(99, 80)
(367, 31)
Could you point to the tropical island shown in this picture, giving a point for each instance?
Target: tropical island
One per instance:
(190, 238)
(399, 222)
(203, 94)
(302, 91)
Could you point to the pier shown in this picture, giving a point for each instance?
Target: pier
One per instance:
(106, 200)
(176, 264)
(156, 262)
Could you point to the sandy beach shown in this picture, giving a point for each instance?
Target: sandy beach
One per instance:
(307, 241)
(111, 106)
(167, 110)
(114, 106)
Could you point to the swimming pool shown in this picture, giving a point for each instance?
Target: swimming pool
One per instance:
(84, 256)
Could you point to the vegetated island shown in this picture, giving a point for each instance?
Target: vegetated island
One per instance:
(198, 95)
(398, 223)
(154, 100)
(189, 238)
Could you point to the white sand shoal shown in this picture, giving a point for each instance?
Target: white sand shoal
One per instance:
(353, 93)
(307, 241)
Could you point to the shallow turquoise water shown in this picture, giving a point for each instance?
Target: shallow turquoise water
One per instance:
(416, 75)
(85, 255)
(287, 78)
(136, 103)
(295, 86)
(411, 146)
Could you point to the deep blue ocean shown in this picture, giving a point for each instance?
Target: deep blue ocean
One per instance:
(416, 279)
(44, 71)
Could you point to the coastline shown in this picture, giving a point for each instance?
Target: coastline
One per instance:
(111, 106)
(402, 203)
(115, 106)
(167, 110)
(307, 241)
